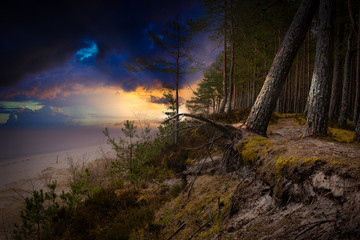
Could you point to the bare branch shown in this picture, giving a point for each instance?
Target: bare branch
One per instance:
(226, 129)
(178, 230)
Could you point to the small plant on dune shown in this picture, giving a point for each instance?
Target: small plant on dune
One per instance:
(133, 152)
(80, 188)
(37, 218)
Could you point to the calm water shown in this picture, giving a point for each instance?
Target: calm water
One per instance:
(15, 143)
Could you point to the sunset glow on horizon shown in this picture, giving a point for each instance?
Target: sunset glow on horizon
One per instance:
(72, 72)
(106, 105)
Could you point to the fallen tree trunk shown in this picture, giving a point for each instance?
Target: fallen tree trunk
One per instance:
(230, 136)
(229, 130)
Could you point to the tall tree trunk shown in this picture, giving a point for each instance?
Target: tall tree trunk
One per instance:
(296, 91)
(177, 89)
(253, 98)
(303, 69)
(249, 94)
(336, 81)
(243, 96)
(346, 84)
(225, 88)
(286, 96)
(357, 122)
(308, 73)
(290, 91)
(236, 96)
(357, 93)
(213, 105)
(231, 73)
(357, 131)
(261, 111)
(288, 104)
(317, 117)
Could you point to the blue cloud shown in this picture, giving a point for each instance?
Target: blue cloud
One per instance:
(89, 53)
(13, 106)
(46, 116)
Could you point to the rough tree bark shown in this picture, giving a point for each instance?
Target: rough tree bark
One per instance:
(346, 84)
(225, 90)
(357, 131)
(336, 81)
(231, 73)
(308, 72)
(357, 92)
(317, 117)
(357, 128)
(177, 87)
(264, 105)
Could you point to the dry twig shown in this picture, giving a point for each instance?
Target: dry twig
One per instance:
(178, 230)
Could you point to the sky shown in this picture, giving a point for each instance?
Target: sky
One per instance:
(63, 63)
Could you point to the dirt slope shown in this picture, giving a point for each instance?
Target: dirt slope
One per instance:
(302, 188)
(289, 188)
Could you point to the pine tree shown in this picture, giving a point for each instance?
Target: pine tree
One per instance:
(175, 43)
(209, 92)
(265, 103)
(317, 117)
(346, 84)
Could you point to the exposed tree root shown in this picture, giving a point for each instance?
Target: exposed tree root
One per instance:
(230, 136)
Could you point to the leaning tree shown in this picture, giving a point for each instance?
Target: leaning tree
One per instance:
(265, 103)
(318, 101)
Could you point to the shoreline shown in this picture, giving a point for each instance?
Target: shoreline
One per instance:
(20, 176)
(13, 170)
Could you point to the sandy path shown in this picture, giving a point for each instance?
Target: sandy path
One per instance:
(287, 133)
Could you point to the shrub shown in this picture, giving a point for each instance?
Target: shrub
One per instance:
(37, 218)
(80, 188)
(234, 116)
(134, 152)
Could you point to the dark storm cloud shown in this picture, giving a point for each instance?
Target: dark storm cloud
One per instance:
(46, 116)
(38, 36)
(160, 100)
(4, 109)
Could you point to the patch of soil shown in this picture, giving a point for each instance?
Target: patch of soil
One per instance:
(315, 196)
(288, 134)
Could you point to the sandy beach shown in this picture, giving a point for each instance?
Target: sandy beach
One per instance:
(19, 177)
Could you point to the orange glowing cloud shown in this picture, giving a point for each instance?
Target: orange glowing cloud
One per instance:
(110, 105)
(107, 105)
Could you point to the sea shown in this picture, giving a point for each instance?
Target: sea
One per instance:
(23, 142)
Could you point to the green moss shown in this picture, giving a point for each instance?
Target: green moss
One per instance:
(298, 117)
(234, 116)
(301, 120)
(333, 163)
(282, 162)
(176, 190)
(311, 160)
(350, 123)
(251, 147)
(249, 154)
(164, 174)
(341, 135)
(209, 233)
(204, 202)
(190, 161)
(165, 219)
(275, 117)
